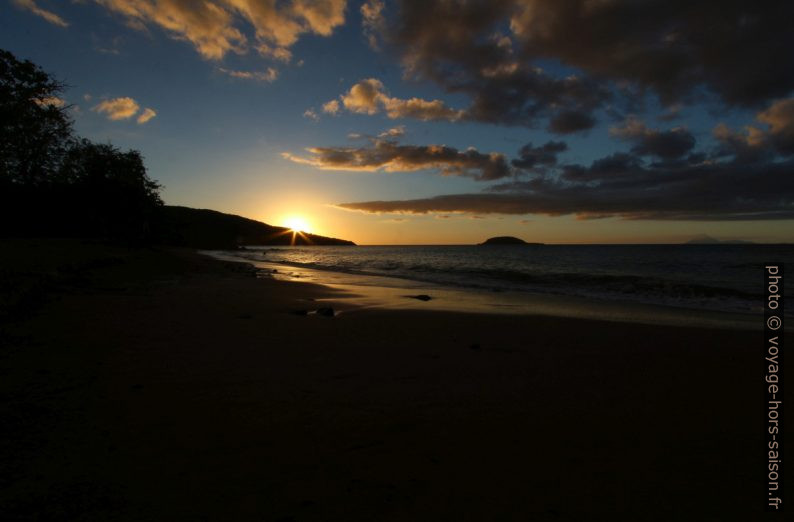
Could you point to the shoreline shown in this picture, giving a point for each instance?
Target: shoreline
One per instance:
(168, 385)
(365, 291)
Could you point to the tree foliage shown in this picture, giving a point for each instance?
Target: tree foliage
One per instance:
(35, 128)
(54, 183)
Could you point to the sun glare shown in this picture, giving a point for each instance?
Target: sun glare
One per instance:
(297, 224)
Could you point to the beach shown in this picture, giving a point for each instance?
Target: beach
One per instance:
(158, 384)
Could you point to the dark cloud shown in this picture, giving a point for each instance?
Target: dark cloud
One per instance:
(700, 192)
(530, 157)
(568, 122)
(739, 50)
(475, 55)
(609, 168)
(666, 145)
(491, 51)
(747, 176)
(390, 156)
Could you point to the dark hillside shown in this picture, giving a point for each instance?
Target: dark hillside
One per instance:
(202, 228)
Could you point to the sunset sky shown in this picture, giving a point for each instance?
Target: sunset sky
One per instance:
(442, 121)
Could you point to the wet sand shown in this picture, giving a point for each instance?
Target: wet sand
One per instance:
(162, 385)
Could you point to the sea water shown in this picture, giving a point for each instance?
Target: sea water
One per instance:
(723, 278)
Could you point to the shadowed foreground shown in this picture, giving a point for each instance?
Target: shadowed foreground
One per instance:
(160, 385)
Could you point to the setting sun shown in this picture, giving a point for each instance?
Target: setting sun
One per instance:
(297, 224)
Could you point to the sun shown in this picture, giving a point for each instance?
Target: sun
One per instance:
(298, 224)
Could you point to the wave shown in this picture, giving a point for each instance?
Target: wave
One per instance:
(692, 278)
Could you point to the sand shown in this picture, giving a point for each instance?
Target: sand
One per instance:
(161, 385)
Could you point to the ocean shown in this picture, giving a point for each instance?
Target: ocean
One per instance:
(720, 278)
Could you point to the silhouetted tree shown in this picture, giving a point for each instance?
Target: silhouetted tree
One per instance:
(35, 128)
(54, 183)
(111, 188)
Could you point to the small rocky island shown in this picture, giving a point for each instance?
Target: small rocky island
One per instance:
(507, 240)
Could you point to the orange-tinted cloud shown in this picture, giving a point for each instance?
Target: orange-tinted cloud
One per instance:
(331, 107)
(780, 118)
(670, 144)
(53, 101)
(117, 108)
(269, 75)
(51, 17)
(391, 157)
(213, 26)
(146, 115)
(369, 96)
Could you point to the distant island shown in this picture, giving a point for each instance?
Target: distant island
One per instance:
(507, 240)
(703, 239)
(203, 228)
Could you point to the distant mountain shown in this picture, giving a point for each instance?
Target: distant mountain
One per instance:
(703, 239)
(202, 228)
(506, 240)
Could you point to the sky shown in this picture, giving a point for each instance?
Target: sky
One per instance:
(441, 122)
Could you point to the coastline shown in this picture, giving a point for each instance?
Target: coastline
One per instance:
(170, 385)
(357, 291)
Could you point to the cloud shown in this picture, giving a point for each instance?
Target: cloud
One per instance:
(673, 111)
(281, 54)
(610, 168)
(209, 26)
(394, 132)
(363, 97)
(372, 20)
(146, 115)
(331, 107)
(747, 177)
(213, 26)
(311, 114)
(670, 144)
(391, 157)
(51, 17)
(544, 156)
(731, 48)
(780, 118)
(607, 55)
(472, 57)
(369, 96)
(269, 75)
(117, 108)
(50, 101)
(756, 144)
(419, 109)
(568, 122)
(698, 192)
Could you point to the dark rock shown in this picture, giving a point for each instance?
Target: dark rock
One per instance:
(326, 311)
(300, 312)
(420, 297)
